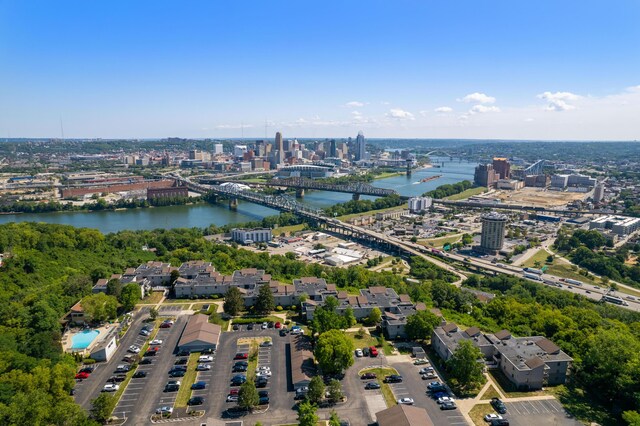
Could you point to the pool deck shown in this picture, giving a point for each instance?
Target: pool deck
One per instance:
(67, 341)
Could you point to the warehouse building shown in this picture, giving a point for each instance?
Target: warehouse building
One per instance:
(199, 334)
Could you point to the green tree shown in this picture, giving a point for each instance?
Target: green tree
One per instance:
(307, 414)
(550, 258)
(129, 296)
(334, 352)
(114, 287)
(153, 313)
(349, 317)
(102, 407)
(175, 274)
(335, 390)
(631, 417)
(374, 316)
(233, 301)
(265, 302)
(316, 389)
(465, 370)
(421, 324)
(334, 420)
(99, 307)
(248, 395)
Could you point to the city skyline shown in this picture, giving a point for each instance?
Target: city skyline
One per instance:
(402, 70)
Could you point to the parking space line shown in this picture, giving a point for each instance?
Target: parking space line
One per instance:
(542, 407)
(514, 407)
(534, 407)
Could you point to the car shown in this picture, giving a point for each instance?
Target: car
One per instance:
(596, 287)
(244, 363)
(235, 327)
(72, 391)
(501, 422)
(82, 376)
(263, 393)
(129, 358)
(421, 361)
(172, 386)
(165, 325)
(372, 385)
(270, 324)
(139, 374)
(249, 327)
(178, 367)
(144, 332)
(181, 361)
(123, 368)
(365, 351)
(263, 368)
(359, 353)
(373, 351)
(278, 324)
(444, 399)
(239, 378)
(405, 401)
(156, 342)
(426, 370)
(266, 343)
(283, 332)
(394, 378)
(196, 400)
(439, 394)
(264, 326)
(203, 367)
(297, 331)
(134, 349)
(145, 361)
(498, 405)
(262, 382)
(87, 370)
(151, 353)
(264, 400)
(199, 385)
(492, 416)
(448, 406)
(241, 355)
(435, 385)
(239, 369)
(110, 387)
(183, 352)
(232, 398)
(205, 358)
(429, 376)
(177, 373)
(368, 376)
(165, 411)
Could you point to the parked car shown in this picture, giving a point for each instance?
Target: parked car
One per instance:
(182, 361)
(172, 386)
(199, 385)
(232, 398)
(165, 411)
(263, 393)
(134, 349)
(264, 400)
(205, 358)
(266, 343)
(183, 352)
(498, 405)
(264, 325)
(405, 401)
(444, 399)
(156, 342)
(421, 361)
(145, 361)
(139, 374)
(283, 332)
(145, 332)
(151, 353)
(359, 353)
(87, 370)
(373, 351)
(196, 400)
(278, 325)
(165, 325)
(492, 416)
(203, 367)
(501, 422)
(240, 355)
(177, 373)
(448, 406)
(435, 385)
(238, 379)
(244, 363)
(262, 382)
(207, 351)
(82, 376)
(249, 327)
(235, 327)
(129, 358)
(234, 391)
(270, 324)
(123, 368)
(426, 370)
(110, 387)
(365, 351)
(239, 369)
(368, 376)
(429, 376)
(372, 385)
(394, 378)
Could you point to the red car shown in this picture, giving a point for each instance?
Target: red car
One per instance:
(233, 391)
(241, 356)
(278, 325)
(165, 325)
(373, 351)
(82, 375)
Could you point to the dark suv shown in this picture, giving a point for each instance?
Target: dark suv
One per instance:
(394, 378)
(498, 405)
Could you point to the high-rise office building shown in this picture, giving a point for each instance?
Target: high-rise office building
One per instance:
(217, 148)
(333, 148)
(502, 167)
(485, 175)
(279, 149)
(598, 193)
(361, 153)
(492, 238)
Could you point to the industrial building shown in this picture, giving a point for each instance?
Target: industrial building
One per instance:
(485, 175)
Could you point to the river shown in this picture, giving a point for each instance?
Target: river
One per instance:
(203, 215)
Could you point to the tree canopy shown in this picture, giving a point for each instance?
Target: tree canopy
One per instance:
(334, 352)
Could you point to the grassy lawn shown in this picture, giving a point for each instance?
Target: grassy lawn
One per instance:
(366, 341)
(387, 393)
(577, 403)
(468, 193)
(628, 291)
(256, 320)
(540, 256)
(154, 297)
(184, 393)
(491, 392)
(478, 412)
(369, 213)
(563, 270)
(288, 229)
(441, 241)
(507, 388)
(385, 175)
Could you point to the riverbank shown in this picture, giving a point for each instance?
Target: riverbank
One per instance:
(385, 175)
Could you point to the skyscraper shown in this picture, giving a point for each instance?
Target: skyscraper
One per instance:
(492, 238)
(485, 175)
(502, 167)
(279, 148)
(333, 148)
(361, 153)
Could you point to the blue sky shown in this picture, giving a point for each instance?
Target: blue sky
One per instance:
(472, 69)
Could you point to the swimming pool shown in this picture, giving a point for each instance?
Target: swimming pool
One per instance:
(83, 339)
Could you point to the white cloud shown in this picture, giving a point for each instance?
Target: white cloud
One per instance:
(529, 120)
(400, 114)
(443, 110)
(634, 89)
(354, 104)
(424, 113)
(356, 113)
(387, 103)
(481, 109)
(479, 98)
(558, 101)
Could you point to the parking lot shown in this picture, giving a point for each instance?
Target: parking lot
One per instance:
(547, 412)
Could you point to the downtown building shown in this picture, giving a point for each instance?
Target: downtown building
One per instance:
(492, 237)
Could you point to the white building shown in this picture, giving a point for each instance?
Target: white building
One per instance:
(248, 236)
(217, 148)
(559, 181)
(619, 225)
(239, 151)
(420, 204)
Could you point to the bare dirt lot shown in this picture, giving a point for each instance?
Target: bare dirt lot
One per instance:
(538, 197)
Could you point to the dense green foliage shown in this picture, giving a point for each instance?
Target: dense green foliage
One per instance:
(334, 352)
(361, 206)
(307, 414)
(248, 395)
(98, 205)
(316, 389)
(448, 189)
(233, 302)
(465, 372)
(421, 324)
(265, 303)
(326, 317)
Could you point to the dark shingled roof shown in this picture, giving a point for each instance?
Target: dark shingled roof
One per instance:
(403, 415)
(548, 346)
(448, 328)
(472, 331)
(534, 362)
(503, 334)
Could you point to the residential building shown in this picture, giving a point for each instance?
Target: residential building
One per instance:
(485, 175)
(419, 204)
(250, 236)
(528, 362)
(391, 214)
(559, 181)
(301, 361)
(217, 148)
(598, 193)
(106, 347)
(492, 237)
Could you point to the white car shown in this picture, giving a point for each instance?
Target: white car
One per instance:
(491, 417)
(444, 399)
(205, 358)
(261, 372)
(134, 349)
(156, 342)
(405, 401)
(426, 370)
(266, 343)
(359, 353)
(110, 387)
(203, 367)
(165, 410)
(264, 325)
(232, 398)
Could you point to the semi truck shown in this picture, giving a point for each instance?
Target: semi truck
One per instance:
(533, 271)
(534, 277)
